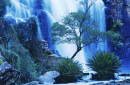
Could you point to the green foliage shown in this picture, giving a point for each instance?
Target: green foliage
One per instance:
(80, 29)
(1, 62)
(69, 71)
(113, 37)
(117, 23)
(105, 64)
(19, 58)
(16, 54)
(73, 26)
(116, 29)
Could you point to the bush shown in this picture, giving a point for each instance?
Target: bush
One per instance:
(69, 71)
(21, 60)
(105, 64)
(117, 23)
(1, 62)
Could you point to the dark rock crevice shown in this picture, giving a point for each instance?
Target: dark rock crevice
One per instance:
(120, 10)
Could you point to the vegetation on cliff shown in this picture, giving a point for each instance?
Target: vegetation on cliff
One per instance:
(22, 48)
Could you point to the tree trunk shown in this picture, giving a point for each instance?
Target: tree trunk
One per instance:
(78, 49)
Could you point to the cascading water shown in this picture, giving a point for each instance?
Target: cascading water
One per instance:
(60, 8)
(49, 11)
(20, 9)
(97, 12)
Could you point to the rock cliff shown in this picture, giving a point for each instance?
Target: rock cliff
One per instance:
(120, 10)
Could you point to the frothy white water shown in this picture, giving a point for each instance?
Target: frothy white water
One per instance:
(56, 10)
(61, 8)
(20, 9)
(97, 12)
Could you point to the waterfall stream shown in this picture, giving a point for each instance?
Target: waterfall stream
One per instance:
(97, 12)
(20, 9)
(50, 11)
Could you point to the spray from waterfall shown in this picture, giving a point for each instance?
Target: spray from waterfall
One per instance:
(61, 8)
(97, 12)
(21, 10)
(53, 11)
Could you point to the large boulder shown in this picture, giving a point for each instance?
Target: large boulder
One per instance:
(44, 44)
(8, 75)
(48, 77)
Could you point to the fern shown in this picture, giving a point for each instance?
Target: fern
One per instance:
(105, 64)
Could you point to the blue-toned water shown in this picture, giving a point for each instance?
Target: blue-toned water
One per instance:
(50, 11)
(97, 12)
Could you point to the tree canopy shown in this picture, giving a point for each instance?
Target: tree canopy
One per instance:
(80, 29)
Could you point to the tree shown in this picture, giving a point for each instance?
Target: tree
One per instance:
(78, 28)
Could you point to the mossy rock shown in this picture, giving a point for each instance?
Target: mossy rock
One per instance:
(1, 61)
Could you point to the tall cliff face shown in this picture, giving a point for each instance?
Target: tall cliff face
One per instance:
(120, 10)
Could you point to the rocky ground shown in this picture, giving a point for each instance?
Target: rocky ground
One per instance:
(121, 81)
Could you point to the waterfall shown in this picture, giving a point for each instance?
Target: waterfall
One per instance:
(50, 11)
(97, 12)
(20, 9)
(61, 8)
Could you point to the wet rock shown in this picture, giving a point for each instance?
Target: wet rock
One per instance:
(0, 40)
(44, 47)
(120, 10)
(8, 75)
(1, 57)
(44, 44)
(48, 77)
(124, 75)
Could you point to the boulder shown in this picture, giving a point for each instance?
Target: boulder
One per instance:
(48, 51)
(48, 77)
(44, 44)
(8, 75)
(124, 75)
(46, 80)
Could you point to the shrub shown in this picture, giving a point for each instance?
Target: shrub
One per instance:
(105, 64)
(69, 71)
(1, 62)
(117, 23)
(17, 55)
(21, 60)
